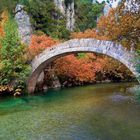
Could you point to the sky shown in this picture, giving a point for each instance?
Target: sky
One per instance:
(114, 4)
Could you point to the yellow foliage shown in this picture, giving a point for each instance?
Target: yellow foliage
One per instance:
(6, 88)
(118, 26)
(4, 17)
(89, 33)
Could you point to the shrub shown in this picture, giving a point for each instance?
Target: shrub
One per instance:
(13, 66)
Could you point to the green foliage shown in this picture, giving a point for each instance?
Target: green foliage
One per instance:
(97, 9)
(45, 17)
(81, 55)
(85, 1)
(12, 54)
(7, 4)
(87, 15)
(24, 2)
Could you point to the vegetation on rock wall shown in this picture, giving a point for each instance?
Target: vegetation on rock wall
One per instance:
(50, 21)
(46, 18)
(8, 5)
(86, 15)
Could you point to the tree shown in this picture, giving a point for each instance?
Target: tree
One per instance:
(13, 65)
(4, 18)
(74, 70)
(122, 26)
(8, 5)
(89, 33)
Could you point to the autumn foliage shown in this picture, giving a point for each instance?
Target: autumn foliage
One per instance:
(113, 26)
(117, 26)
(3, 19)
(120, 26)
(40, 43)
(1, 30)
(78, 69)
(89, 33)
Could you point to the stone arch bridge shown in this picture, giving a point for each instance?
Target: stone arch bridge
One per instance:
(108, 48)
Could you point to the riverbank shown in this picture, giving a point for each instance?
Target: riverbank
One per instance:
(8, 90)
(72, 83)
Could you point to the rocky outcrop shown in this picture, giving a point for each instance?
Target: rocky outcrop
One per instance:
(106, 9)
(67, 9)
(24, 25)
(70, 15)
(132, 6)
(51, 80)
(60, 5)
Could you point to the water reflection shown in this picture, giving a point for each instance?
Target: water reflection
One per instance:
(99, 112)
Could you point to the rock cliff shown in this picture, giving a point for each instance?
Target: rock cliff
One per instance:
(24, 25)
(67, 9)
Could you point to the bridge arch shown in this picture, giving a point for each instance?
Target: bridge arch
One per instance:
(108, 48)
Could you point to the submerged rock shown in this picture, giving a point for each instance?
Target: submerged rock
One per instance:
(120, 98)
(134, 89)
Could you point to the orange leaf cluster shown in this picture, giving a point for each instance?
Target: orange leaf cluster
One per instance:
(83, 70)
(4, 18)
(40, 43)
(1, 30)
(111, 27)
(89, 33)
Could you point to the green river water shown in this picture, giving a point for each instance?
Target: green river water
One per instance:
(98, 112)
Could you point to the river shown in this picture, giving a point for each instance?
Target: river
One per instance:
(97, 112)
